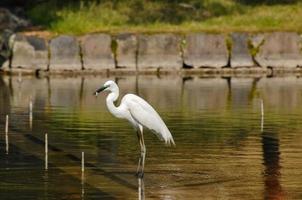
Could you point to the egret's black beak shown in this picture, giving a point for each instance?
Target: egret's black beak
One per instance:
(99, 90)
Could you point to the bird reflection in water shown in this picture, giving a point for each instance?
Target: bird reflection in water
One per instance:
(141, 188)
(271, 161)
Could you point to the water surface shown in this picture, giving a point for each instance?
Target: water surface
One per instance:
(221, 152)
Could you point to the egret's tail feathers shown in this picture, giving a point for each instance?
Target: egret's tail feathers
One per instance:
(170, 142)
(169, 139)
(165, 135)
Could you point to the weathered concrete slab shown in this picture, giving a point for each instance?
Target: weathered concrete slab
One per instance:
(205, 50)
(257, 40)
(40, 45)
(159, 50)
(240, 56)
(126, 51)
(23, 53)
(64, 53)
(29, 52)
(96, 51)
(280, 49)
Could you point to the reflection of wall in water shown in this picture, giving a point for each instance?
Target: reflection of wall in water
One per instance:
(89, 87)
(205, 93)
(242, 91)
(4, 97)
(65, 91)
(167, 92)
(282, 93)
(26, 87)
(162, 93)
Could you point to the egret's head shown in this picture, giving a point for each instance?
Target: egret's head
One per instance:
(108, 86)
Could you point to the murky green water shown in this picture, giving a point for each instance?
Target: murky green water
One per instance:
(221, 151)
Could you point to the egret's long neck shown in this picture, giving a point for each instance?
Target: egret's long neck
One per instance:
(111, 98)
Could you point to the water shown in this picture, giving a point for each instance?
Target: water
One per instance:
(221, 152)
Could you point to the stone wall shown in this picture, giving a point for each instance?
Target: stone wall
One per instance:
(29, 52)
(205, 50)
(166, 51)
(9, 23)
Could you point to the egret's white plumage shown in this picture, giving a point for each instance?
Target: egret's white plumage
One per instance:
(144, 114)
(138, 112)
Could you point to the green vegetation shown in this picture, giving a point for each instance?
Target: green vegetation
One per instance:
(79, 17)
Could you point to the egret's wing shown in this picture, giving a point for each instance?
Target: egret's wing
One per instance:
(145, 114)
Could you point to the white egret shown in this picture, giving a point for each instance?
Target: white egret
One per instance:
(140, 114)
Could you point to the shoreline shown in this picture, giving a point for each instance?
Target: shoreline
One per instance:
(164, 53)
(201, 72)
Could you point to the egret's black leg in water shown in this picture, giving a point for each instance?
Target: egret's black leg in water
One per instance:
(141, 162)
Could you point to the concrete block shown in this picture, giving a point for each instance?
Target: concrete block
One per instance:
(29, 52)
(159, 50)
(240, 56)
(257, 40)
(65, 53)
(205, 50)
(126, 52)
(280, 49)
(96, 51)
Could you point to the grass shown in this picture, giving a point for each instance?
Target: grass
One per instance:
(160, 16)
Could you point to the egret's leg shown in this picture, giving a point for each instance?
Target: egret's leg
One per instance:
(140, 158)
(143, 152)
(138, 169)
